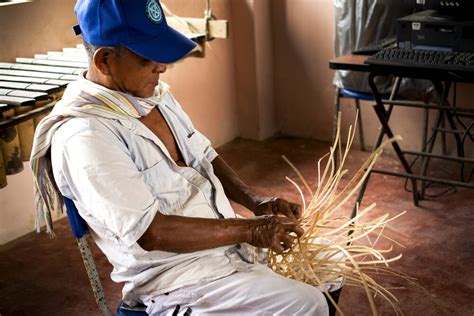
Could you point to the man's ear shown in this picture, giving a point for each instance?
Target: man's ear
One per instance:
(102, 59)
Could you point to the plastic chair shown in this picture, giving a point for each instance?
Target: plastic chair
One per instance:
(357, 96)
(80, 229)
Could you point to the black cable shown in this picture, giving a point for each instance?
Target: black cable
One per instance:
(451, 189)
(467, 133)
(428, 184)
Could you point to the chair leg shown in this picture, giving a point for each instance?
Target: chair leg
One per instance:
(336, 113)
(335, 296)
(334, 125)
(93, 276)
(359, 122)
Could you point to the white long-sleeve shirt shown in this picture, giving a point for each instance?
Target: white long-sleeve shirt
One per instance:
(119, 174)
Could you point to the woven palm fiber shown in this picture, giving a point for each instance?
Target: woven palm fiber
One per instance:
(330, 248)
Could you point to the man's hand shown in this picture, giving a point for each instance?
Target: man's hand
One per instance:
(239, 192)
(275, 206)
(274, 232)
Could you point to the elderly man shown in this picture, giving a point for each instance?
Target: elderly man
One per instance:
(150, 186)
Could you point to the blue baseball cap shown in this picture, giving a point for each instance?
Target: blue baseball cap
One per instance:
(139, 25)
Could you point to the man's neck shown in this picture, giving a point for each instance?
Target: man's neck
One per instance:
(96, 77)
(92, 76)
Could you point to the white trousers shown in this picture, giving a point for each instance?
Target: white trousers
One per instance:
(259, 291)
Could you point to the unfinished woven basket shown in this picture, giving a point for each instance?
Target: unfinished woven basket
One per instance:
(334, 247)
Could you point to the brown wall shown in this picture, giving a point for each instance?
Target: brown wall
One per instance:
(253, 43)
(35, 27)
(303, 32)
(205, 87)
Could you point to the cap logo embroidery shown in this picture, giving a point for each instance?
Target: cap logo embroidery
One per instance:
(153, 12)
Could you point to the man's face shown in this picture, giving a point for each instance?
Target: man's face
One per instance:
(133, 74)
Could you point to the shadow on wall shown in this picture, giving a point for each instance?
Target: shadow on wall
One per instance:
(243, 35)
(303, 37)
(293, 78)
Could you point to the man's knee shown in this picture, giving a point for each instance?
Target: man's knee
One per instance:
(290, 297)
(310, 301)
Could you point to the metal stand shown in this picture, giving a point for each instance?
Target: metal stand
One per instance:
(445, 114)
(378, 142)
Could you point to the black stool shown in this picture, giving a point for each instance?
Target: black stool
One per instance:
(335, 296)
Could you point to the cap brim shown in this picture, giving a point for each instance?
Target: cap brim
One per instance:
(166, 48)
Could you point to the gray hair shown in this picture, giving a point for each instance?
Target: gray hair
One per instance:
(91, 49)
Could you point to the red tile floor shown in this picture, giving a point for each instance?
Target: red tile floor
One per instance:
(43, 276)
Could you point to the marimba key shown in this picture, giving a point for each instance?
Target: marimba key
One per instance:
(46, 88)
(54, 82)
(23, 94)
(48, 62)
(16, 101)
(39, 68)
(63, 57)
(38, 74)
(75, 51)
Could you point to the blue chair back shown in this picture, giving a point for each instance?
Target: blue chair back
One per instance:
(78, 224)
(360, 95)
(79, 229)
(125, 310)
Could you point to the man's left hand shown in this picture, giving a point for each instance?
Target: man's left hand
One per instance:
(276, 206)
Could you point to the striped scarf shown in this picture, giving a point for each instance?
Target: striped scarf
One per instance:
(82, 98)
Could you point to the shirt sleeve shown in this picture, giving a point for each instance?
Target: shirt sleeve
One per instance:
(104, 181)
(206, 146)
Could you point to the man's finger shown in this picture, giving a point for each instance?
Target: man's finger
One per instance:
(297, 210)
(294, 227)
(283, 207)
(276, 246)
(288, 241)
(266, 211)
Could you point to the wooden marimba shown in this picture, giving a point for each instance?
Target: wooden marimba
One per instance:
(29, 88)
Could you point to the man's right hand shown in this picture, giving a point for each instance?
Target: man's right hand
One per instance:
(274, 232)
(270, 231)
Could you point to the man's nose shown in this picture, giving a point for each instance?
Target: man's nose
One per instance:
(161, 68)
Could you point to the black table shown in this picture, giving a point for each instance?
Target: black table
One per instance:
(442, 81)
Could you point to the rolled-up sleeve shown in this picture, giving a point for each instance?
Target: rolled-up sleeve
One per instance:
(205, 146)
(103, 179)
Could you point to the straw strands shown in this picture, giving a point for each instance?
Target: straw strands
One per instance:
(331, 248)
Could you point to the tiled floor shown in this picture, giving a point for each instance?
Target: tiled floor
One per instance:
(42, 276)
